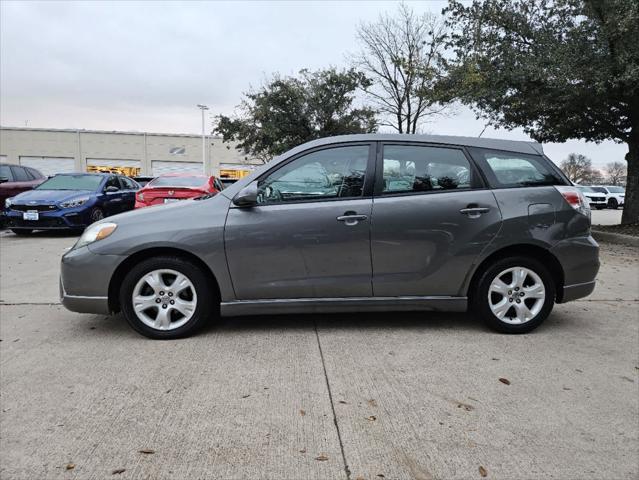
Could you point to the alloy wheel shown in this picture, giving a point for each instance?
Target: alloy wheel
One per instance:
(164, 299)
(516, 295)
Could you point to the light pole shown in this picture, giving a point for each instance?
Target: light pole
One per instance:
(203, 108)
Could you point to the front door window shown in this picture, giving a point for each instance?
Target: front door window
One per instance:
(325, 174)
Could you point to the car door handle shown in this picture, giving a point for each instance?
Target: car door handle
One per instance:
(351, 218)
(474, 212)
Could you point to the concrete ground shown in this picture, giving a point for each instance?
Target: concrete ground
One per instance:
(388, 396)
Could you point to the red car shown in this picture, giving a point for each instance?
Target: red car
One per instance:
(16, 179)
(173, 187)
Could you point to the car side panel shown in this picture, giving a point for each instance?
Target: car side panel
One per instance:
(541, 217)
(423, 244)
(194, 226)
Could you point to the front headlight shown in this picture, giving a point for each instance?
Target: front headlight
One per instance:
(95, 232)
(74, 202)
(7, 203)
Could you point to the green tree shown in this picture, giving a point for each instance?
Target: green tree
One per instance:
(561, 69)
(288, 111)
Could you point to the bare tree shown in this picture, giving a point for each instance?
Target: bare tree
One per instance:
(403, 56)
(578, 168)
(616, 173)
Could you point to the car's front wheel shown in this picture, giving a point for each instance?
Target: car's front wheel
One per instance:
(515, 295)
(613, 203)
(166, 297)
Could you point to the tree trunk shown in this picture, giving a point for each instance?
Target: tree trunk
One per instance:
(631, 202)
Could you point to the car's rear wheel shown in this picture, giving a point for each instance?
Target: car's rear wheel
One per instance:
(167, 297)
(514, 295)
(22, 231)
(613, 203)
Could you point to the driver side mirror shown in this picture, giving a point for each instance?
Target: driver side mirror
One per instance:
(4, 179)
(247, 197)
(111, 189)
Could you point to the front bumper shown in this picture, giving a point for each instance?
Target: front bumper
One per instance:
(84, 280)
(55, 220)
(83, 304)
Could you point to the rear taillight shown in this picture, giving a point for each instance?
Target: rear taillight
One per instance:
(140, 197)
(575, 198)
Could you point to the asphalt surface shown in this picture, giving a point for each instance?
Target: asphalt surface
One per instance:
(385, 396)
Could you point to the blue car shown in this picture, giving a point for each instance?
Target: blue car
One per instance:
(70, 201)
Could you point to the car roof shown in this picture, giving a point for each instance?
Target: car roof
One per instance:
(518, 146)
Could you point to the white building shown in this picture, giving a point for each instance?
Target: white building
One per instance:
(132, 153)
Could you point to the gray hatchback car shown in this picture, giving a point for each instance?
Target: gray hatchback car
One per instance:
(351, 223)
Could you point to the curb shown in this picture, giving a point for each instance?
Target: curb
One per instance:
(615, 238)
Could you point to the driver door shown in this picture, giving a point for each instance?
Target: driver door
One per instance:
(309, 234)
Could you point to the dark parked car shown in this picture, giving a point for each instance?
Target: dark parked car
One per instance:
(142, 180)
(353, 223)
(15, 179)
(70, 201)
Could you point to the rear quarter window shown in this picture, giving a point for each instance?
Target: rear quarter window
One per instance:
(509, 169)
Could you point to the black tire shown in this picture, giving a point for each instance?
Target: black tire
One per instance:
(207, 304)
(96, 215)
(480, 300)
(613, 203)
(22, 231)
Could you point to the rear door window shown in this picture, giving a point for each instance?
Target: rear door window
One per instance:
(20, 175)
(408, 168)
(510, 169)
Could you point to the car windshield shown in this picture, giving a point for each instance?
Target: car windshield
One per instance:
(599, 189)
(587, 189)
(616, 190)
(72, 182)
(194, 181)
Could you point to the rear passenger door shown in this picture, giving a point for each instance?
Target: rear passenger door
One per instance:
(432, 216)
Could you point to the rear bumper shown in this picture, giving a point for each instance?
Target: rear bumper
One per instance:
(579, 259)
(581, 290)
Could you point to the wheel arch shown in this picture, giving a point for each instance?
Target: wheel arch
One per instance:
(141, 255)
(527, 250)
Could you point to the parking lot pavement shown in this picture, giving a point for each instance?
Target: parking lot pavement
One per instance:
(606, 217)
(403, 395)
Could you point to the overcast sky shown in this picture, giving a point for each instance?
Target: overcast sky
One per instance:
(144, 66)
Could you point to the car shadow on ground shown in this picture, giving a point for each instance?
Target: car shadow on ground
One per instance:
(418, 322)
(8, 234)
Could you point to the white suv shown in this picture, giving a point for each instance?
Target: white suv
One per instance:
(614, 195)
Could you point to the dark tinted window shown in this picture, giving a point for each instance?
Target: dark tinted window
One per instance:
(36, 173)
(71, 182)
(599, 189)
(616, 190)
(112, 182)
(511, 169)
(20, 175)
(331, 173)
(5, 172)
(410, 168)
(128, 184)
